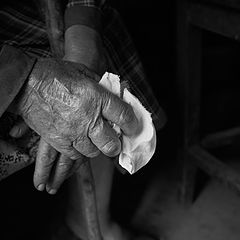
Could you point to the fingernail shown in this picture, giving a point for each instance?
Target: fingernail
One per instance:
(41, 187)
(52, 191)
(112, 149)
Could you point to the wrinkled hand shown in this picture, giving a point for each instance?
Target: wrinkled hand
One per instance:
(52, 168)
(63, 103)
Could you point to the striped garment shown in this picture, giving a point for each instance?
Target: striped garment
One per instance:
(22, 27)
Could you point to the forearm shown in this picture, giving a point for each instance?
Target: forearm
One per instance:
(83, 34)
(84, 45)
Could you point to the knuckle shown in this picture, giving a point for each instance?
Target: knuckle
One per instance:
(45, 162)
(86, 148)
(92, 154)
(40, 174)
(65, 166)
(111, 148)
(74, 155)
(96, 127)
(47, 157)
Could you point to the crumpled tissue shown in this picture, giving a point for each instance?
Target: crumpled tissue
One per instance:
(136, 150)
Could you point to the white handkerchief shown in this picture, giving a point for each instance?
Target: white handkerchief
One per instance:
(139, 149)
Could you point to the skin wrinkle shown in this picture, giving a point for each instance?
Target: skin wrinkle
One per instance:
(105, 104)
(34, 83)
(85, 146)
(48, 104)
(84, 139)
(52, 89)
(25, 103)
(90, 106)
(41, 121)
(57, 91)
(110, 146)
(32, 97)
(64, 105)
(45, 107)
(123, 115)
(65, 146)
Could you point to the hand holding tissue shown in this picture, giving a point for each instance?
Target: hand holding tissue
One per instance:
(136, 150)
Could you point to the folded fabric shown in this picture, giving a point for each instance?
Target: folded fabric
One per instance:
(136, 150)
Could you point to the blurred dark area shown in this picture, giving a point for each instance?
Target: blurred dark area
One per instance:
(28, 214)
(220, 83)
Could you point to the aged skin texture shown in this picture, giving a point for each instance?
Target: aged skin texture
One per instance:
(63, 103)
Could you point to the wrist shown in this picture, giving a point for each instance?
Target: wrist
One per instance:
(81, 40)
(83, 15)
(84, 45)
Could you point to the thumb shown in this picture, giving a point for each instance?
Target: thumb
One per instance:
(121, 113)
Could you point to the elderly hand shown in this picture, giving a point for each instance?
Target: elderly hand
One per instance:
(63, 103)
(52, 168)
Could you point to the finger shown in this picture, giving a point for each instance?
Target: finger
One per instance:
(63, 146)
(46, 156)
(86, 147)
(19, 129)
(105, 138)
(64, 168)
(120, 113)
(59, 174)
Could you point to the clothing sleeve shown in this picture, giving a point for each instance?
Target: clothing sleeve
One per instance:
(15, 66)
(84, 12)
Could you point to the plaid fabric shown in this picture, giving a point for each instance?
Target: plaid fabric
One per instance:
(88, 3)
(21, 26)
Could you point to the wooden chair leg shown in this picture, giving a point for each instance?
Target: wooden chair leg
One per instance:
(189, 85)
(188, 181)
